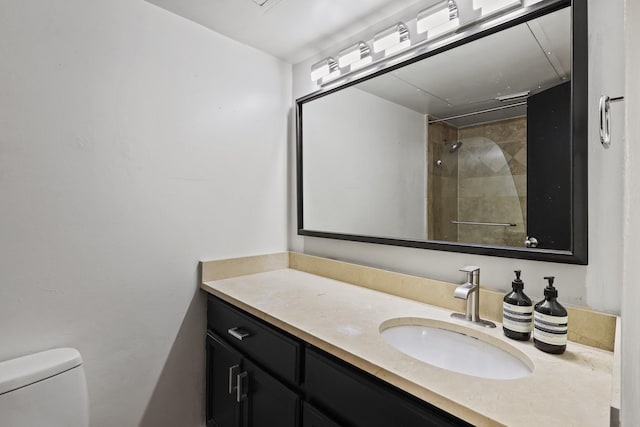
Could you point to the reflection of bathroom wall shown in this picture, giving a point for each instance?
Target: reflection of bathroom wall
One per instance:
(353, 143)
(442, 192)
(483, 181)
(492, 182)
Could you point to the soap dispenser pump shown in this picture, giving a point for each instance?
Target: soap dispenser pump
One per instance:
(550, 322)
(517, 311)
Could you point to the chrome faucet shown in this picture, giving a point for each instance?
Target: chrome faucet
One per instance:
(470, 291)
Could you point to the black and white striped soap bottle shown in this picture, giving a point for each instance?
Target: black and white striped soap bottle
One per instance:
(550, 322)
(517, 312)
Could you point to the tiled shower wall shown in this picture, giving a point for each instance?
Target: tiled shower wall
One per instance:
(490, 189)
(484, 181)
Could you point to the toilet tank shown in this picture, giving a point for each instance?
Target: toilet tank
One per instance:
(44, 389)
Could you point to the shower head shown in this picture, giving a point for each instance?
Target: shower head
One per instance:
(455, 146)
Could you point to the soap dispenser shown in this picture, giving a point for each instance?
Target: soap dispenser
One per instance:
(550, 322)
(517, 311)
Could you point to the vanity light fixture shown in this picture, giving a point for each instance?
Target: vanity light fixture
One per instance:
(355, 56)
(439, 19)
(436, 21)
(489, 7)
(392, 39)
(325, 69)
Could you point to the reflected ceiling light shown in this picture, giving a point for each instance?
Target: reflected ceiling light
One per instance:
(392, 39)
(356, 56)
(324, 69)
(489, 7)
(439, 19)
(512, 96)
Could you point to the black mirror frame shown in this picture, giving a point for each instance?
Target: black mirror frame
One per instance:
(578, 254)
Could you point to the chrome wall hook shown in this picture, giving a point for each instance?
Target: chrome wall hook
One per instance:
(605, 119)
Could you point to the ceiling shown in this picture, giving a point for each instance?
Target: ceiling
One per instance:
(292, 30)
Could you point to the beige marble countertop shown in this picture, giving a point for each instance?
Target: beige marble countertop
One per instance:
(573, 389)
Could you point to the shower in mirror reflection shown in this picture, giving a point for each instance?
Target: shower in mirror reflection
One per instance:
(479, 178)
(453, 147)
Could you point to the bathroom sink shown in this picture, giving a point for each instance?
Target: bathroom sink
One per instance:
(457, 349)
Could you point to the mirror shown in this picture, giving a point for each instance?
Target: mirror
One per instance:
(479, 147)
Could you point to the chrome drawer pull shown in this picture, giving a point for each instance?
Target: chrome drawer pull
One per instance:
(240, 393)
(232, 374)
(238, 333)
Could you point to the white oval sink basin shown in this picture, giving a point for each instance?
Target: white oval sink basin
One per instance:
(437, 344)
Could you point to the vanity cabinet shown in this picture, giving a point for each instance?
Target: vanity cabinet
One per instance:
(252, 371)
(260, 376)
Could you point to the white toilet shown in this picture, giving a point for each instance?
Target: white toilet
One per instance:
(44, 389)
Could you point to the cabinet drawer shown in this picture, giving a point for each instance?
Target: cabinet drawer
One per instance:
(276, 352)
(361, 400)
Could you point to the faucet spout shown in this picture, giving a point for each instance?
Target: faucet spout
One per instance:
(463, 291)
(470, 291)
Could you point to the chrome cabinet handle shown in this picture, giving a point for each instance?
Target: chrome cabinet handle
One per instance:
(241, 390)
(605, 119)
(233, 374)
(238, 333)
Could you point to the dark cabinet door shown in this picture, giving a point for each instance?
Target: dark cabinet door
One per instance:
(268, 403)
(223, 366)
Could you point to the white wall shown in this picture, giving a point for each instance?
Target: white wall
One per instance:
(133, 143)
(630, 397)
(606, 76)
(346, 192)
(596, 285)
